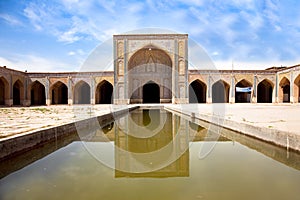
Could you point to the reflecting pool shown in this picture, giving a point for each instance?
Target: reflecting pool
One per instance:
(153, 154)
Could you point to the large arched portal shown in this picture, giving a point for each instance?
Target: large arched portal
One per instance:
(150, 64)
(4, 90)
(220, 92)
(243, 91)
(59, 93)
(197, 92)
(37, 93)
(104, 93)
(264, 92)
(151, 93)
(82, 93)
(18, 92)
(284, 90)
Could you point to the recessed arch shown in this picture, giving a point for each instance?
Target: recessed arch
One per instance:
(149, 63)
(82, 93)
(151, 92)
(284, 90)
(220, 92)
(37, 93)
(104, 93)
(4, 90)
(264, 91)
(197, 92)
(18, 92)
(243, 91)
(297, 89)
(59, 93)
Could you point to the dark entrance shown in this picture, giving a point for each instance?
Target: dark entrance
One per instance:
(220, 92)
(2, 92)
(59, 93)
(17, 92)
(104, 93)
(264, 92)
(82, 93)
(37, 92)
(197, 92)
(151, 93)
(244, 96)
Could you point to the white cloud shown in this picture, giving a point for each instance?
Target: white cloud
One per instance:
(33, 63)
(11, 20)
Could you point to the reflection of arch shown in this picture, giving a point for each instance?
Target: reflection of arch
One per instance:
(220, 92)
(59, 93)
(104, 93)
(243, 97)
(264, 91)
(284, 90)
(18, 92)
(197, 92)
(82, 93)
(37, 93)
(4, 90)
(151, 93)
(297, 89)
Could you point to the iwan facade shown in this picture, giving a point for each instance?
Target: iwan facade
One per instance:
(150, 68)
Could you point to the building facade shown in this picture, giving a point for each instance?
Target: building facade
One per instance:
(150, 68)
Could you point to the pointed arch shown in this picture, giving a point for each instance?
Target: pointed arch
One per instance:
(151, 92)
(82, 93)
(220, 92)
(264, 91)
(18, 92)
(243, 97)
(197, 92)
(104, 93)
(4, 90)
(284, 90)
(59, 93)
(37, 93)
(297, 89)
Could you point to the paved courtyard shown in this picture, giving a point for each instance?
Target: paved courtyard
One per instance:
(18, 120)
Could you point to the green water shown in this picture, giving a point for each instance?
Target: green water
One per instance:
(230, 171)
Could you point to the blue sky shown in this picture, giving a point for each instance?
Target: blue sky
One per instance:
(58, 35)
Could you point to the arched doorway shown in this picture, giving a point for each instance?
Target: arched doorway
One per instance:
(59, 93)
(220, 92)
(4, 90)
(82, 93)
(37, 93)
(104, 93)
(18, 92)
(151, 93)
(297, 89)
(197, 92)
(149, 64)
(243, 91)
(264, 92)
(284, 90)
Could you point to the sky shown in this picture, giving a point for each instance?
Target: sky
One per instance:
(59, 35)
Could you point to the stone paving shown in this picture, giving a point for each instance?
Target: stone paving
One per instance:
(18, 120)
(283, 117)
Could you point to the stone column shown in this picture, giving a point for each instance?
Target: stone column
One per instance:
(26, 101)
(93, 101)
(275, 98)
(209, 90)
(292, 100)
(70, 91)
(232, 90)
(11, 89)
(254, 93)
(47, 91)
